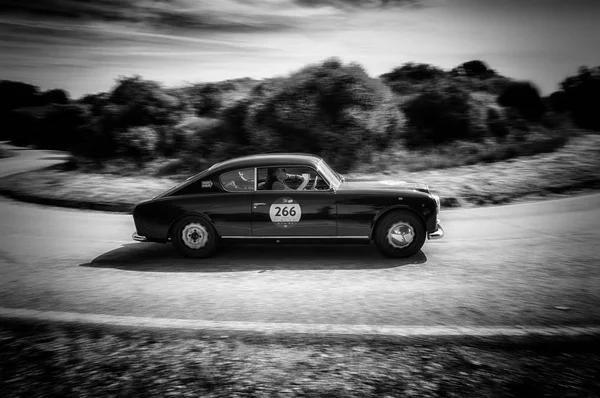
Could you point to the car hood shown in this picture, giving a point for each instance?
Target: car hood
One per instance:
(384, 184)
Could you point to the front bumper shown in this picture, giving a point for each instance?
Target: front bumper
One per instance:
(438, 233)
(139, 238)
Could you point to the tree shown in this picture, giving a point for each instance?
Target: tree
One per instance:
(413, 72)
(143, 102)
(475, 68)
(56, 96)
(327, 109)
(524, 97)
(438, 116)
(558, 101)
(14, 95)
(582, 94)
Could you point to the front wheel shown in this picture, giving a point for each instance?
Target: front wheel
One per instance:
(194, 237)
(400, 234)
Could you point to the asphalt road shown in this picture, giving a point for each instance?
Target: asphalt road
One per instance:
(531, 264)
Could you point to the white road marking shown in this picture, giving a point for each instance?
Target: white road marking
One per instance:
(301, 328)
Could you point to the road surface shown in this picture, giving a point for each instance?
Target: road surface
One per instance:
(533, 264)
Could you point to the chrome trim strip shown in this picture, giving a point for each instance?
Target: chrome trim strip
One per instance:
(295, 237)
(139, 238)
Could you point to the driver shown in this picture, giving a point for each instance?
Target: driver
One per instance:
(279, 175)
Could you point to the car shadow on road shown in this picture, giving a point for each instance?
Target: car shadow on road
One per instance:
(156, 257)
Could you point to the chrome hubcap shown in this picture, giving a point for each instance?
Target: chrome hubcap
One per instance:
(401, 235)
(194, 236)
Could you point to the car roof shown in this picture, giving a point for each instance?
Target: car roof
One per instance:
(267, 160)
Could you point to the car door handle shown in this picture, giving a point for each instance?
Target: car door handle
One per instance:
(258, 204)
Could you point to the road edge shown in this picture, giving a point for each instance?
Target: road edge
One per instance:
(406, 333)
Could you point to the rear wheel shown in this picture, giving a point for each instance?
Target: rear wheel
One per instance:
(400, 234)
(195, 237)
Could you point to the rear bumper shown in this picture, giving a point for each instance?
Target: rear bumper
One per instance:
(438, 233)
(139, 238)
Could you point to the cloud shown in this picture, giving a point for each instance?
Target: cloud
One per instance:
(356, 4)
(167, 14)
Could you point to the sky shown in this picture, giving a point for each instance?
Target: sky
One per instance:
(83, 46)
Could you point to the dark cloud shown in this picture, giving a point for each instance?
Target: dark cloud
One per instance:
(356, 4)
(155, 13)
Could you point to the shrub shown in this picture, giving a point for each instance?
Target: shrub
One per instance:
(56, 96)
(524, 97)
(138, 143)
(582, 94)
(234, 122)
(331, 109)
(437, 117)
(15, 95)
(475, 68)
(206, 99)
(62, 124)
(195, 135)
(413, 72)
(496, 124)
(558, 101)
(142, 102)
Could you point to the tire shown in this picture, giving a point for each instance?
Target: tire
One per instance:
(195, 237)
(409, 237)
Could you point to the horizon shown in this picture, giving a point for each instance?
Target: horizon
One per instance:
(84, 47)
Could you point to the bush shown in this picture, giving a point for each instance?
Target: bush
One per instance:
(558, 101)
(56, 96)
(234, 122)
(475, 68)
(582, 95)
(138, 143)
(525, 98)
(62, 124)
(413, 72)
(143, 102)
(15, 95)
(206, 99)
(334, 110)
(496, 124)
(437, 117)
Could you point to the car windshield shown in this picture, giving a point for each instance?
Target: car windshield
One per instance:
(328, 173)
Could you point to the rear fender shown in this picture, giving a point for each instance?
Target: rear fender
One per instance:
(181, 217)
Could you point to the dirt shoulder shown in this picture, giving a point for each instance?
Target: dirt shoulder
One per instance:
(573, 169)
(62, 360)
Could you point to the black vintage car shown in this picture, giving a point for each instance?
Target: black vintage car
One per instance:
(288, 198)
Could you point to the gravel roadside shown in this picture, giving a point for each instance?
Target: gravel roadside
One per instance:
(59, 360)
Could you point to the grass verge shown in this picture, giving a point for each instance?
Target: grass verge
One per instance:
(5, 153)
(573, 168)
(65, 361)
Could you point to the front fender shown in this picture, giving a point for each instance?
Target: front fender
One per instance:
(391, 209)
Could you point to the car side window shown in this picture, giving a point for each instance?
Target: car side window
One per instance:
(238, 180)
(301, 178)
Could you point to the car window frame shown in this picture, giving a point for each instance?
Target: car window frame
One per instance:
(324, 165)
(329, 189)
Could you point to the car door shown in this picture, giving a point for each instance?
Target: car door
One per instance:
(293, 213)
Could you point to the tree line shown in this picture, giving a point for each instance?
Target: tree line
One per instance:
(332, 109)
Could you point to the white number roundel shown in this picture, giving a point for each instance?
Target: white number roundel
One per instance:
(285, 212)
